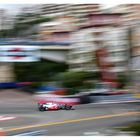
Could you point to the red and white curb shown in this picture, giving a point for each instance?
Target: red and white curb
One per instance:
(4, 118)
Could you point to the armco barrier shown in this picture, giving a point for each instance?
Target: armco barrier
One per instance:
(7, 85)
(2, 133)
(59, 100)
(84, 99)
(73, 99)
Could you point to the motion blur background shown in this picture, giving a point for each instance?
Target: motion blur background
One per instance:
(73, 51)
(69, 37)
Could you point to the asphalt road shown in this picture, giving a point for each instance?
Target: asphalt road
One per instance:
(88, 119)
(81, 121)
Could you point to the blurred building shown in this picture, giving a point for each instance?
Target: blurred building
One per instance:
(100, 31)
(132, 22)
(6, 20)
(30, 9)
(6, 72)
(131, 11)
(135, 50)
(59, 30)
(65, 14)
(28, 13)
(78, 10)
(135, 55)
(54, 10)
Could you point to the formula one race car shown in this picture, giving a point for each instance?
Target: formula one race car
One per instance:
(53, 106)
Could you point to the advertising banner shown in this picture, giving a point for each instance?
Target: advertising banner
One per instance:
(19, 53)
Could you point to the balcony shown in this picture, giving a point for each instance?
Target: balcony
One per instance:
(116, 59)
(116, 48)
(79, 61)
(119, 69)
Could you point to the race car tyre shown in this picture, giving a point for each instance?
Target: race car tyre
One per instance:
(63, 106)
(67, 107)
(41, 109)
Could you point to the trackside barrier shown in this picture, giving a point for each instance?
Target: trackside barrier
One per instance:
(2, 133)
(59, 100)
(72, 100)
(13, 84)
(85, 99)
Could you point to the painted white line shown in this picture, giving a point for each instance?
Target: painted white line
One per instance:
(33, 133)
(92, 133)
(3, 118)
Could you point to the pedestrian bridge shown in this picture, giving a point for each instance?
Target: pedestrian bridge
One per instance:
(53, 51)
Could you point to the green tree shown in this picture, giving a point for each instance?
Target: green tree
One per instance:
(38, 71)
(76, 79)
(23, 23)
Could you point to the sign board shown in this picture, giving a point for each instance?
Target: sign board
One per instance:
(19, 53)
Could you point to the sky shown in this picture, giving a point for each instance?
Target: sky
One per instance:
(15, 7)
(16, 4)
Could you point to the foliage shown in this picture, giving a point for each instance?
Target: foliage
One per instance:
(23, 22)
(123, 80)
(38, 71)
(135, 127)
(76, 79)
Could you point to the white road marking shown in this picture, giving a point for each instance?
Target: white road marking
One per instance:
(3, 118)
(92, 133)
(32, 133)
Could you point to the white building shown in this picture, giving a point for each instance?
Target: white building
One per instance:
(88, 39)
(6, 20)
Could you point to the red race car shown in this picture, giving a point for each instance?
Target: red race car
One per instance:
(53, 106)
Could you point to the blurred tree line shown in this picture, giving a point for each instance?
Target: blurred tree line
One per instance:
(46, 71)
(80, 79)
(40, 71)
(23, 25)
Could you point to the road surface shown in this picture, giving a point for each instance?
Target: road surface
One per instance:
(21, 117)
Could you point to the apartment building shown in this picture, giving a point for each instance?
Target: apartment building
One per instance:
(131, 11)
(58, 30)
(6, 72)
(54, 10)
(100, 31)
(69, 9)
(6, 20)
(132, 21)
(78, 11)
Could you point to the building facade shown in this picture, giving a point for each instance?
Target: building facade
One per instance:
(59, 30)
(6, 20)
(100, 31)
